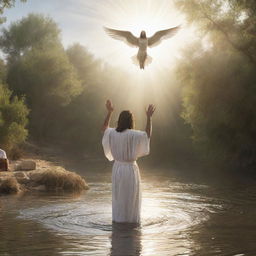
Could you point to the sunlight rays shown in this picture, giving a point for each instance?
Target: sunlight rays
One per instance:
(134, 15)
(154, 84)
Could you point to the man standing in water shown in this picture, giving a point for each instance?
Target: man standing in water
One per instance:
(124, 144)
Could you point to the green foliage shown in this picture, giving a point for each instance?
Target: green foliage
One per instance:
(83, 113)
(46, 77)
(2, 71)
(219, 82)
(229, 21)
(39, 68)
(33, 31)
(13, 119)
(86, 66)
(48, 80)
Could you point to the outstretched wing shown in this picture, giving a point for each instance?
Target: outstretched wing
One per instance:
(125, 36)
(157, 38)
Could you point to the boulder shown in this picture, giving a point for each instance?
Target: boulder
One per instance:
(22, 177)
(27, 165)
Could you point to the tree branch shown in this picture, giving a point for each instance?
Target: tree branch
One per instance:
(219, 27)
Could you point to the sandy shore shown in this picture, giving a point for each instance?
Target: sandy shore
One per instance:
(31, 173)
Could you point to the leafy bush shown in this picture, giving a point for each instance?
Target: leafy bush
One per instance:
(13, 119)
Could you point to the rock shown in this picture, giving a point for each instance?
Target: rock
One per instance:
(27, 165)
(22, 177)
(40, 188)
(46, 177)
(35, 176)
(15, 167)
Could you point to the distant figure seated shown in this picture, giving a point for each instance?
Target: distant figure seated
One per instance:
(4, 163)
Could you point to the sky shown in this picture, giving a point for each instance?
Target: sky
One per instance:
(83, 20)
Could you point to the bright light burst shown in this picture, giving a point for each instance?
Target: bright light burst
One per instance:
(155, 83)
(136, 15)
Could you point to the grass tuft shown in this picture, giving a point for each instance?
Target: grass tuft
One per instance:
(9, 186)
(60, 179)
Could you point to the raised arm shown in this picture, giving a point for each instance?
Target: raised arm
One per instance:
(149, 112)
(110, 109)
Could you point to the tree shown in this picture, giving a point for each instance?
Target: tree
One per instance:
(6, 4)
(219, 80)
(13, 119)
(233, 20)
(48, 80)
(33, 31)
(39, 68)
(87, 67)
(2, 71)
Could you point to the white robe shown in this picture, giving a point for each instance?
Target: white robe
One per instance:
(125, 147)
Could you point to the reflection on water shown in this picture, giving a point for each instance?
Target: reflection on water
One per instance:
(178, 218)
(125, 240)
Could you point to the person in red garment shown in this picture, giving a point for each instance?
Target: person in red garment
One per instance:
(125, 145)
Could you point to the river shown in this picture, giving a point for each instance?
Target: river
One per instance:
(180, 216)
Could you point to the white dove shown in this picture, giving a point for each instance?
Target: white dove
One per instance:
(142, 42)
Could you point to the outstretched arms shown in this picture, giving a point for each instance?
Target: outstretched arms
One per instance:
(110, 109)
(149, 112)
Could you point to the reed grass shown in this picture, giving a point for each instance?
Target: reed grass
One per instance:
(58, 178)
(9, 185)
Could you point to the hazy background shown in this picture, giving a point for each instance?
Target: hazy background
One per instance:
(62, 66)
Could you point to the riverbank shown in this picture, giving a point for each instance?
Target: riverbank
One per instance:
(33, 173)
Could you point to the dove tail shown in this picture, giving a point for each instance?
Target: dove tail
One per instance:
(135, 60)
(142, 62)
(148, 60)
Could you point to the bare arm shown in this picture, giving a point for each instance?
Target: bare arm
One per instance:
(110, 109)
(150, 111)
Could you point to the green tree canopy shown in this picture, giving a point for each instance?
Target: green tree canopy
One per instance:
(2, 71)
(48, 80)
(219, 81)
(45, 77)
(6, 4)
(41, 69)
(33, 31)
(13, 119)
(229, 21)
(87, 67)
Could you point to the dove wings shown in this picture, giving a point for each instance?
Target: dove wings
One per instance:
(133, 41)
(125, 36)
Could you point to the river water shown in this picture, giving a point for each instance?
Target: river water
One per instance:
(179, 217)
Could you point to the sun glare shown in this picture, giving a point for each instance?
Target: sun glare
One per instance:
(154, 83)
(135, 16)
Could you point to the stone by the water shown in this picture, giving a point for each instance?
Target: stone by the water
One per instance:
(27, 165)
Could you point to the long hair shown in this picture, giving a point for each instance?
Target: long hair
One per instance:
(125, 121)
(143, 34)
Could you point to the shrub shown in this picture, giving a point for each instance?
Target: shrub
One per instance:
(13, 119)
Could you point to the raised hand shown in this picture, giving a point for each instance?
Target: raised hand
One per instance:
(150, 111)
(109, 106)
